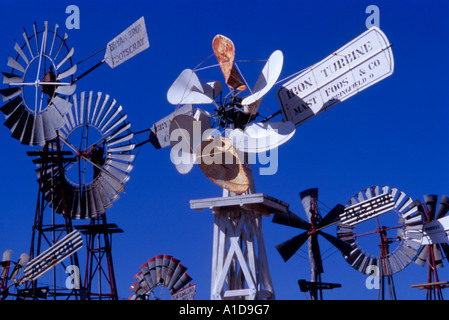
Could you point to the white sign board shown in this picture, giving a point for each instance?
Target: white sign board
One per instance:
(53, 255)
(359, 64)
(161, 128)
(127, 44)
(436, 231)
(367, 209)
(185, 294)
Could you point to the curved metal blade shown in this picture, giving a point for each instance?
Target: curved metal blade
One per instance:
(341, 245)
(307, 197)
(332, 217)
(262, 137)
(292, 220)
(288, 248)
(10, 77)
(445, 248)
(443, 208)
(431, 202)
(219, 161)
(267, 79)
(225, 52)
(187, 89)
(10, 93)
(67, 73)
(13, 63)
(422, 257)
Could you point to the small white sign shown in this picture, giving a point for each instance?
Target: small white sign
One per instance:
(356, 66)
(367, 209)
(126, 45)
(436, 231)
(185, 294)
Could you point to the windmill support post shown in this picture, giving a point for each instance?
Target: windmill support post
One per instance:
(50, 227)
(99, 248)
(239, 260)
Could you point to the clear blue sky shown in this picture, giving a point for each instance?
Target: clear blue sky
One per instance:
(394, 133)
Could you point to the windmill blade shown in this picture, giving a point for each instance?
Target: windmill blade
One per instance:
(5, 263)
(437, 256)
(187, 89)
(224, 50)
(212, 89)
(183, 280)
(445, 248)
(431, 202)
(261, 137)
(67, 57)
(316, 263)
(10, 93)
(422, 256)
(443, 208)
(292, 220)
(191, 129)
(288, 248)
(13, 63)
(66, 90)
(220, 163)
(308, 197)
(341, 245)
(267, 79)
(67, 73)
(333, 216)
(183, 152)
(10, 77)
(22, 260)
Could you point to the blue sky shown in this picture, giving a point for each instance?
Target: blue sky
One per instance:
(394, 133)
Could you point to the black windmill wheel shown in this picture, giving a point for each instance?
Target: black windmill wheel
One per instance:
(312, 229)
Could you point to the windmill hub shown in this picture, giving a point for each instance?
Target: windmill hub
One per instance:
(48, 77)
(232, 113)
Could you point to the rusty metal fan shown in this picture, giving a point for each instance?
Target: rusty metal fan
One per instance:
(95, 131)
(163, 272)
(39, 85)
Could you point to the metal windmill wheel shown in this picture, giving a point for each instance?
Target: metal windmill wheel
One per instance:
(40, 86)
(312, 230)
(383, 226)
(96, 132)
(159, 278)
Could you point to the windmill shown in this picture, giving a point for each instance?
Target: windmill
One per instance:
(435, 242)
(165, 272)
(239, 263)
(40, 85)
(9, 271)
(312, 229)
(383, 227)
(85, 154)
(220, 140)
